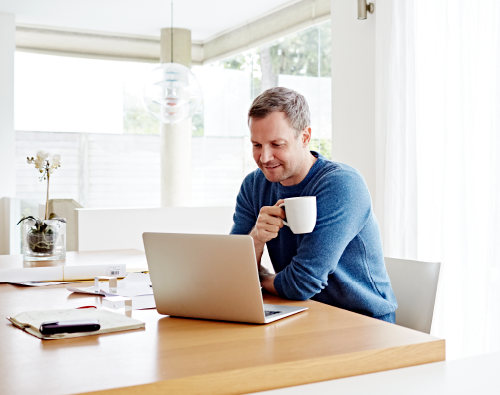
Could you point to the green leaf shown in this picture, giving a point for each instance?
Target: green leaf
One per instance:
(54, 216)
(25, 218)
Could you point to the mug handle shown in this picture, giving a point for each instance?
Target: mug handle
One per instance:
(282, 204)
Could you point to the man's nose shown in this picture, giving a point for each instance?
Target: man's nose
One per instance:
(266, 155)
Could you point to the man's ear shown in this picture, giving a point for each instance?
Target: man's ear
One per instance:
(306, 136)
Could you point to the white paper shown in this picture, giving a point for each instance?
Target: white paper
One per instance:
(138, 303)
(46, 273)
(134, 284)
(143, 302)
(40, 284)
(75, 273)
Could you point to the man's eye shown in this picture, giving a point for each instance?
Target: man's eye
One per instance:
(278, 145)
(256, 145)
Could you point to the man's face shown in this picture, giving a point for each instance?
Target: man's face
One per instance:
(278, 153)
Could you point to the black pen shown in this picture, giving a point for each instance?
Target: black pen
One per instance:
(70, 326)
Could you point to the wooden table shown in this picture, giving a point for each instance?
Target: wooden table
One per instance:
(175, 355)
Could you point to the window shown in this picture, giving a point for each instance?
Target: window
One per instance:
(90, 112)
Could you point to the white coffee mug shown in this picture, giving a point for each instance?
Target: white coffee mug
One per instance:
(300, 214)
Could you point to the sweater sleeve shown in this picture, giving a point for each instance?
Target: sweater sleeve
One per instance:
(244, 217)
(343, 208)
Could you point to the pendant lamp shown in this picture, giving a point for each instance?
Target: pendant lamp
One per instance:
(171, 92)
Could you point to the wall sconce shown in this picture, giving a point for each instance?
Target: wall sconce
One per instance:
(363, 7)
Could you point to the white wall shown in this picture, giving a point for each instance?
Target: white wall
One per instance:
(114, 229)
(10, 232)
(353, 89)
(7, 137)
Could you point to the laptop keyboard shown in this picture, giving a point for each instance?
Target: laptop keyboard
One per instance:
(269, 312)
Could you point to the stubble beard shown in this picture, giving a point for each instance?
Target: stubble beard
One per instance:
(286, 173)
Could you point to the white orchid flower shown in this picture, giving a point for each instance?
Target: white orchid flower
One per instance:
(39, 163)
(56, 161)
(46, 164)
(42, 155)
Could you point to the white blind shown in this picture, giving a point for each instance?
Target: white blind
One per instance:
(109, 170)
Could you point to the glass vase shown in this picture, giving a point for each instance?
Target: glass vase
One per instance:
(44, 243)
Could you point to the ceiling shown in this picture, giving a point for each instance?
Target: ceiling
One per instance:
(205, 19)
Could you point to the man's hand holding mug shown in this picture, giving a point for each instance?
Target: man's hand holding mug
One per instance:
(300, 218)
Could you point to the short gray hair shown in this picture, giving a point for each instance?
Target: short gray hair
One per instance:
(292, 103)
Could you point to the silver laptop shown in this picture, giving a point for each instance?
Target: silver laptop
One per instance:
(211, 277)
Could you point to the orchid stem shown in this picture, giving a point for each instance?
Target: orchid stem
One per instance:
(47, 203)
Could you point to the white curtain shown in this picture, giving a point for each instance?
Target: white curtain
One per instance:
(438, 156)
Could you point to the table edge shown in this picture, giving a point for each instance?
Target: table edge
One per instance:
(268, 377)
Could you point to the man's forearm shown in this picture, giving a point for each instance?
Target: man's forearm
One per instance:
(267, 283)
(266, 278)
(258, 246)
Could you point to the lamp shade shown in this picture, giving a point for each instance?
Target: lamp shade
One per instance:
(171, 93)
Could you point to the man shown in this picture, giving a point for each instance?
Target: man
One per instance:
(341, 262)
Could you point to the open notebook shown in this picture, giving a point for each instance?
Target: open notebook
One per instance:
(30, 321)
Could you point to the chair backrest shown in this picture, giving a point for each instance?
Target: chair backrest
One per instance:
(415, 284)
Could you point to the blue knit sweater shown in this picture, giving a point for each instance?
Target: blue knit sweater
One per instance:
(341, 262)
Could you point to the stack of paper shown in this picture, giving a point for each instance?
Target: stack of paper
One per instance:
(78, 265)
(30, 321)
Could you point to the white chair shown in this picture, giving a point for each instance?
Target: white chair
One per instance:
(415, 284)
